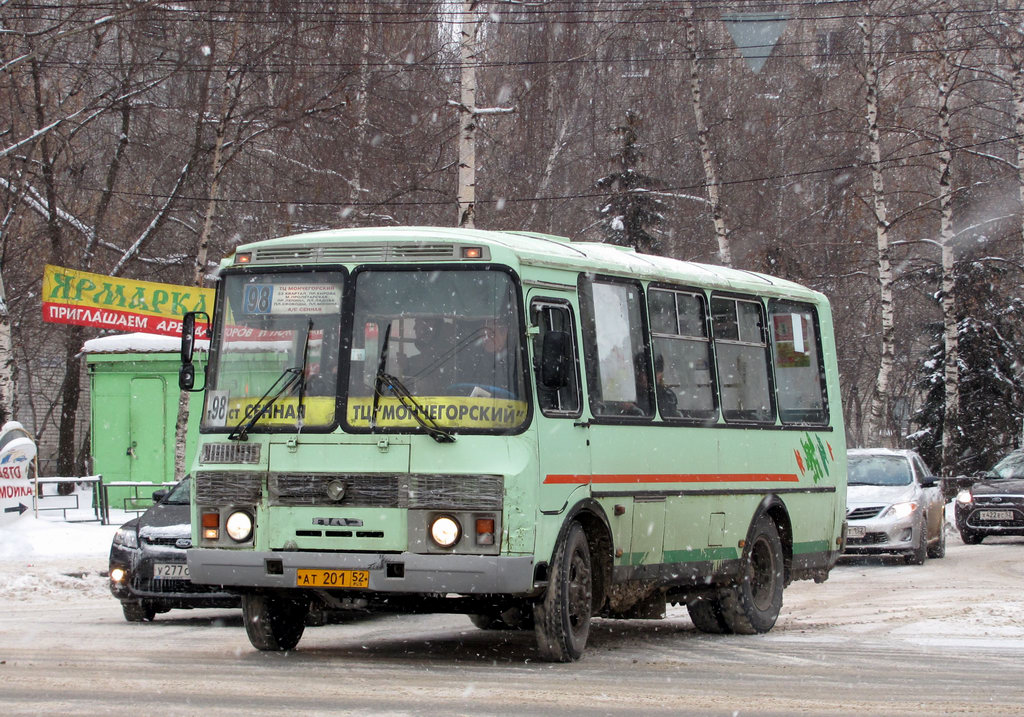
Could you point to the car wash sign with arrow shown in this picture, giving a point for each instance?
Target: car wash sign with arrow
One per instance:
(17, 450)
(107, 302)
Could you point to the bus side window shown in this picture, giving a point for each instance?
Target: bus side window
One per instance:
(684, 379)
(742, 360)
(555, 360)
(799, 379)
(619, 380)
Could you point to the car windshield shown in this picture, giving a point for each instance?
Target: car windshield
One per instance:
(1012, 466)
(179, 494)
(878, 470)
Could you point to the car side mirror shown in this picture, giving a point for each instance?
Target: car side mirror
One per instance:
(159, 495)
(930, 481)
(555, 358)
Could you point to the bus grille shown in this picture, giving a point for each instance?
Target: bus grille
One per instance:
(227, 488)
(230, 453)
(435, 492)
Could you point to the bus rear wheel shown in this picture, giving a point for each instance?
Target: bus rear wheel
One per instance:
(273, 622)
(562, 617)
(752, 604)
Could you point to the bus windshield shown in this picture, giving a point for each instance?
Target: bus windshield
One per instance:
(448, 338)
(275, 364)
(430, 350)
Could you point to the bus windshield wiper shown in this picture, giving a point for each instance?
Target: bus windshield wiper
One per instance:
(301, 418)
(288, 378)
(382, 363)
(404, 396)
(421, 417)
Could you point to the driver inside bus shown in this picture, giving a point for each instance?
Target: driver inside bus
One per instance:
(488, 362)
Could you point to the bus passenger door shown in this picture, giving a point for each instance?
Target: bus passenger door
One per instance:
(562, 435)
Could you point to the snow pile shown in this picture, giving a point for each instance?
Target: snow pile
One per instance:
(46, 556)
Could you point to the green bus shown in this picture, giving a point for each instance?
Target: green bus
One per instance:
(529, 431)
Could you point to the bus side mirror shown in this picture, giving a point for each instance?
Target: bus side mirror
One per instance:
(187, 372)
(555, 358)
(186, 377)
(188, 336)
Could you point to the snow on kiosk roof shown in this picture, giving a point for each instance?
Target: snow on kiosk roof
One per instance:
(138, 343)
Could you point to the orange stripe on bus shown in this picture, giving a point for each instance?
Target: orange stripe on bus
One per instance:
(675, 478)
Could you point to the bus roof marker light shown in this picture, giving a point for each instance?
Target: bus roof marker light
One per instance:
(244, 257)
(472, 252)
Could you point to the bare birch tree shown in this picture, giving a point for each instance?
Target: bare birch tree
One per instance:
(879, 405)
(711, 176)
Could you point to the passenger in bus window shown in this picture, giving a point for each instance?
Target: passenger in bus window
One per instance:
(667, 401)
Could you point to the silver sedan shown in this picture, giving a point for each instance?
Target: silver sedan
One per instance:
(893, 505)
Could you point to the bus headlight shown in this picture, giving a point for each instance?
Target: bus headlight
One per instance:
(445, 531)
(239, 526)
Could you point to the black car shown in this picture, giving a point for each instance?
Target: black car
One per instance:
(148, 569)
(994, 504)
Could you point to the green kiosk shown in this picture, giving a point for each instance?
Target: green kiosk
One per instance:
(133, 390)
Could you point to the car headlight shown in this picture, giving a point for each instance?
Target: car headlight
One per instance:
(126, 537)
(899, 510)
(118, 575)
(239, 526)
(445, 531)
(965, 497)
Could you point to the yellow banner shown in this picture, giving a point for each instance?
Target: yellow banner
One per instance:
(448, 411)
(86, 299)
(284, 412)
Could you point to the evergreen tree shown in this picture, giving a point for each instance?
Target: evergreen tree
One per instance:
(632, 210)
(991, 375)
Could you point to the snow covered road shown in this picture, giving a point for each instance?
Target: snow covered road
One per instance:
(878, 638)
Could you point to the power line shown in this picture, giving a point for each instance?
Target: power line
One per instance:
(853, 166)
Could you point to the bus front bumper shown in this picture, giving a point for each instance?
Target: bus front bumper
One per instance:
(388, 572)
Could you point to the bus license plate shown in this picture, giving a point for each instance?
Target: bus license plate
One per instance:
(855, 531)
(332, 578)
(995, 514)
(171, 571)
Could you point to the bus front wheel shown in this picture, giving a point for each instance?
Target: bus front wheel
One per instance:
(752, 604)
(562, 617)
(273, 622)
(706, 614)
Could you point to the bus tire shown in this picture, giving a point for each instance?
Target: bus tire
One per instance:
(706, 614)
(562, 616)
(273, 622)
(752, 604)
(512, 618)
